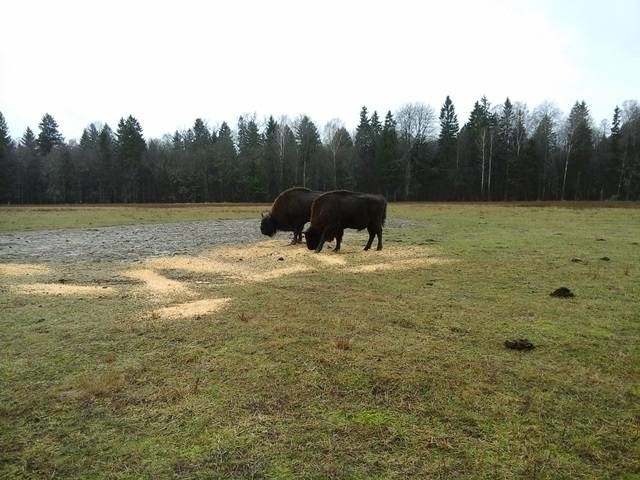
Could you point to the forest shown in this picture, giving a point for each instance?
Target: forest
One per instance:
(503, 152)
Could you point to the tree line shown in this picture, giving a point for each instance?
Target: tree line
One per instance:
(503, 152)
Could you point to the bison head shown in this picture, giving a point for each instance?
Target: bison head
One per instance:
(312, 237)
(268, 225)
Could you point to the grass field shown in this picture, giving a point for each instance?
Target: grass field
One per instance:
(278, 363)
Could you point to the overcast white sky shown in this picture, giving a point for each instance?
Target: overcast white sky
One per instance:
(169, 62)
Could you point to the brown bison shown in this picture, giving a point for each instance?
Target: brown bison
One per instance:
(289, 212)
(332, 212)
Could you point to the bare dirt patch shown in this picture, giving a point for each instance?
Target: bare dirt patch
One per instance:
(190, 309)
(23, 269)
(63, 289)
(125, 242)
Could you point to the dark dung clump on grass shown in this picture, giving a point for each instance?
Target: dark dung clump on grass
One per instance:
(519, 344)
(562, 292)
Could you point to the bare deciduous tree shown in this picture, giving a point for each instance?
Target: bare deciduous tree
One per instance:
(521, 118)
(335, 137)
(630, 116)
(544, 125)
(568, 132)
(416, 123)
(517, 131)
(283, 122)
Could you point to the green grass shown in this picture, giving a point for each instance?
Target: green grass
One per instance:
(45, 217)
(395, 374)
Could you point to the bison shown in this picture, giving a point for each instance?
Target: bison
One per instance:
(289, 212)
(332, 212)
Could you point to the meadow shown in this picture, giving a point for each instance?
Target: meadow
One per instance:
(267, 361)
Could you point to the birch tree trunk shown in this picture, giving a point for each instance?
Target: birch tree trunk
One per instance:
(566, 165)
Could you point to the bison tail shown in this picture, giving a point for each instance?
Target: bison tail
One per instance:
(384, 213)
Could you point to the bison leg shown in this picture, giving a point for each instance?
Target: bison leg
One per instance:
(320, 242)
(370, 241)
(379, 234)
(297, 236)
(338, 240)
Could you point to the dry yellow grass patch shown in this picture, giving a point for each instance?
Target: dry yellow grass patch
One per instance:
(157, 284)
(251, 263)
(263, 261)
(272, 259)
(399, 265)
(104, 384)
(256, 262)
(198, 265)
(185, 262)
(23, 269)
(280, 272)
(271, 254)
(329, 259)
(395, 252)
(62, 289)
(190, 309)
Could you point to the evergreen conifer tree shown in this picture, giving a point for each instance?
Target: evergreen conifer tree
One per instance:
(578, 151)
(388, 158)
(308, 140)
(5, 140)
(289, 156)
(272, 157)
(226, 154)
(447, 157)
(505, 149)
(366, 150)
(6, 172)
(32, 164)
(544, 143)
(49, 135)
(201, 149)
(130, 147)
(251, 179)
(376, 126)
(107, 176)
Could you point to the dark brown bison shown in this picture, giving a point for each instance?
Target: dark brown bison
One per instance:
(332, 212)
(289, 212)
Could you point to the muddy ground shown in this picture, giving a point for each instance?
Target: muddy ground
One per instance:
(134, 242)
(126, 242)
